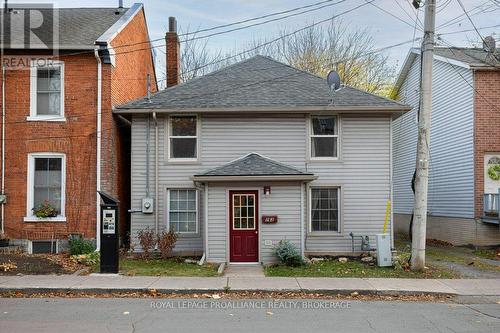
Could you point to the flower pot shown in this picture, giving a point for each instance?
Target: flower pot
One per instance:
(4, 242)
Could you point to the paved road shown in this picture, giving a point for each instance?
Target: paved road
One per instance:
(141, 315)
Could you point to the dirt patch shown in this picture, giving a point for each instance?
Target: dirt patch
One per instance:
(245, 295)
(43, 264)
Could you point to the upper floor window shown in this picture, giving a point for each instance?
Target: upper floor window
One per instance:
(183, 137)
(324, 137)
(47, 92)
(46, 185)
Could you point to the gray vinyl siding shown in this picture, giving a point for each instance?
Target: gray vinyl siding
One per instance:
(284, 201)
(363, 173)
(451, 173)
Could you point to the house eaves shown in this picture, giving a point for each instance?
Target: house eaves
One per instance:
(120, 24)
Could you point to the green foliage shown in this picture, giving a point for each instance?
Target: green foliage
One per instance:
(45, 210)
(494, 171)
(78, 246)
(88, 259)
(287, 253)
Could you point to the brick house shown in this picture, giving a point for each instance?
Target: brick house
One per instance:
(62, 142)
(465, 145)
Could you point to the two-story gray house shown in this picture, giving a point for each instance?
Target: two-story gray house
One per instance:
(257, 152)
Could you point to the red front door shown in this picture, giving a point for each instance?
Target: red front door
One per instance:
(243, 226)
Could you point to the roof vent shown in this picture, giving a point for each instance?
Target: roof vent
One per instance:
(489, 44)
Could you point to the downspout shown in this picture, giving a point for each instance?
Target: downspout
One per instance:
(98, 153)
(302, 220)
(157, 215)
(205, 195)
(391, 190)
(3, 148)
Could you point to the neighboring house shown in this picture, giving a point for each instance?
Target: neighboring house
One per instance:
(258, 152)
(465, 140)
(62, 142)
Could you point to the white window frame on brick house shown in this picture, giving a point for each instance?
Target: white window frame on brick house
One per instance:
(30, 217)
(170, 137)
(34, 116)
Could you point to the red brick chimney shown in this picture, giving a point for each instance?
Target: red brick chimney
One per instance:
(173, 53)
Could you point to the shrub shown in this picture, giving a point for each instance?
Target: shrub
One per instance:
(79, 246)
(287, 253)
(89, 259)
(166, 242)
(147, 239)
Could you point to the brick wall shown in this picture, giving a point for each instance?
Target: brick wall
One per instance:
(76, 137)
(486, 126)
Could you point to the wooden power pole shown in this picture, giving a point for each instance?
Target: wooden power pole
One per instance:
(423, 144)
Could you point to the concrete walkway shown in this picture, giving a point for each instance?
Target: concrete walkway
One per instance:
(253, 271)
(117, 283)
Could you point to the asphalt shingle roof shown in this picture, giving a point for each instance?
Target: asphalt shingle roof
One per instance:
(76, 27)
(471, 56)
(254, 165)
(258, 82)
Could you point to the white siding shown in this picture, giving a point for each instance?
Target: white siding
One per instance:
(451, 174)
(363, 172)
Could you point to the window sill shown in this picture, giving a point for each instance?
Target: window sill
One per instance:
(324, 234)
(324, 160)
(46, 118)
(48, 219)
(182, 161)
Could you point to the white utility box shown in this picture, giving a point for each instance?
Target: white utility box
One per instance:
(384, 253)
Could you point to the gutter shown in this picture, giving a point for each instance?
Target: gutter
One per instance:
(247, 109)
(98, 153)
(254, 178)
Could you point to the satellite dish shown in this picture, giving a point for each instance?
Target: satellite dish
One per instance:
(333, 80)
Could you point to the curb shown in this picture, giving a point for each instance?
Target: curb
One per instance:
(342, 292)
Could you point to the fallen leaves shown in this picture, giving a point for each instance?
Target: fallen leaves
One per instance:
(8, 266)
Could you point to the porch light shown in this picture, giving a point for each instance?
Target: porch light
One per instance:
(267, 190)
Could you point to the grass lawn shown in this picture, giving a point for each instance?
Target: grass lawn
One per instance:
(354, 268)
(164, 267)
(493, 254)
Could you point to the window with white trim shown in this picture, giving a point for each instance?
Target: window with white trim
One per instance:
(183, 210)
(183, 137)
(46, 183)
(325, 209)
(47, 91)
(324, 137)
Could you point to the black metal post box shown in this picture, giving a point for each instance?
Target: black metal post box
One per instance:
(109, 234)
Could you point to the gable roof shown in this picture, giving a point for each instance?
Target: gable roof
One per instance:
(470, 58)
(259, 82)
(254, 166)
(81, 28)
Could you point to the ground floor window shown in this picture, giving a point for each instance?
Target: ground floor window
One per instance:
(325, 209)
(46, 185)
(183, 210)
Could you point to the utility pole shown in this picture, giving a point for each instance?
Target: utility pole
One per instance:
(423, 144)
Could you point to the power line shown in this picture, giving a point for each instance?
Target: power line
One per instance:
(391, 14)
(262, 17)
(251, 84)
(470, 20)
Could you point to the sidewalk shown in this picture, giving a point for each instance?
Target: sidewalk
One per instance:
(118, 283)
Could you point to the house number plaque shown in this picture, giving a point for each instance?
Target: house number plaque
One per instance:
(269, 218)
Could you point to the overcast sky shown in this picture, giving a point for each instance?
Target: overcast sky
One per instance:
(386, 30)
